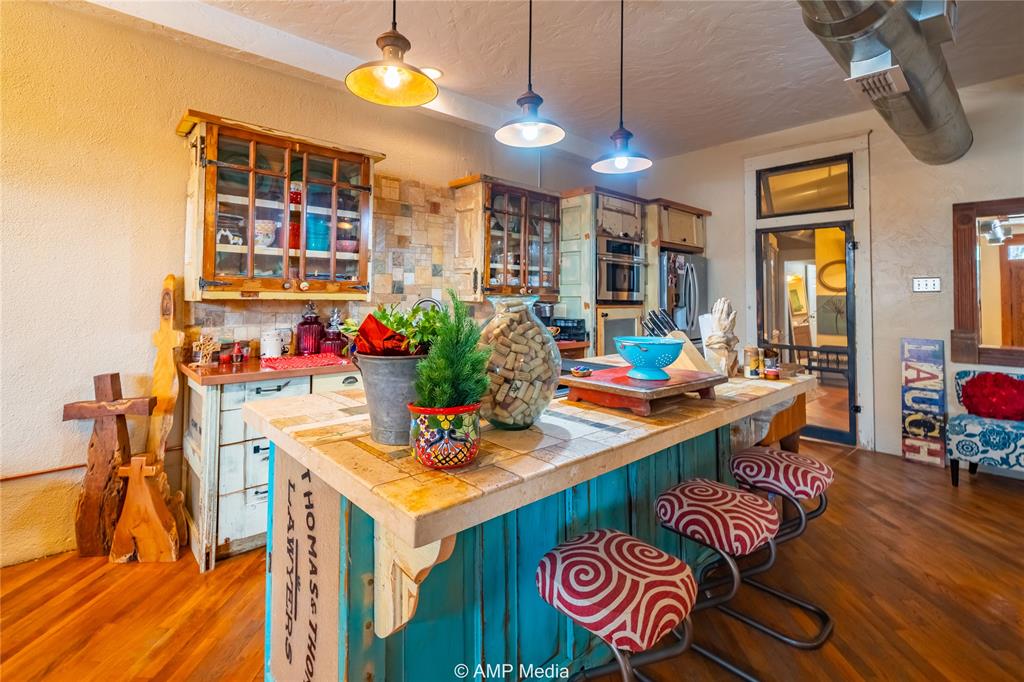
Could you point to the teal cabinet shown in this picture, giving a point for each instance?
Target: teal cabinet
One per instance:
(481, 605)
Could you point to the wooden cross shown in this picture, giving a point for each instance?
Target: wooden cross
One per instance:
(109, 448)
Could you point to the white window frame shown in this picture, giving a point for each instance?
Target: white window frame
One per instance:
(860, 217)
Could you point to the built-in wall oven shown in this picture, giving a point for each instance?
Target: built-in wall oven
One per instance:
(620, 270)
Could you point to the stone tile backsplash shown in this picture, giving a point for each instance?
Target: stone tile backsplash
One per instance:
(412, 223)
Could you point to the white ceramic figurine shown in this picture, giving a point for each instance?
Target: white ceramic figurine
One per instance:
(720, 344)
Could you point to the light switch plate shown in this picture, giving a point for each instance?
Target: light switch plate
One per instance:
(927, 284)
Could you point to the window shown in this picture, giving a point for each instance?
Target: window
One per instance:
(808, 187)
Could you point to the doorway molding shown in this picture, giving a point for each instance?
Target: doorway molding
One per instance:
(860, 216)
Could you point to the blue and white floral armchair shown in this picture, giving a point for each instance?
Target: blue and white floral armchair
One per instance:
(982, 440)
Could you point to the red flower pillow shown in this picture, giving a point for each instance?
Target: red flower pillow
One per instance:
(994, 395)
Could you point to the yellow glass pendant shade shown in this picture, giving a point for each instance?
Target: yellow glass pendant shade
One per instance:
(390, 81)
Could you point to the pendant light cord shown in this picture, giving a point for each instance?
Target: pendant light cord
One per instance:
(622, 42)
(394, 14)
(529, 50)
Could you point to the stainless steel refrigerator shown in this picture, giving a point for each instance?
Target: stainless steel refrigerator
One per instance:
(684, 290)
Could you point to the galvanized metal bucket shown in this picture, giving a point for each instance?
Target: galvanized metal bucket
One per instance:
(389, 384)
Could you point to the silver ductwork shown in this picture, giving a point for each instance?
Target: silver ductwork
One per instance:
(892, 52)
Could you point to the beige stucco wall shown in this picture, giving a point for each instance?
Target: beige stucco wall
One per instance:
(93, 181)
(911, 218)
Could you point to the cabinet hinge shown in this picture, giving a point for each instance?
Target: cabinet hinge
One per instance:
(856, 409)
(476, 279)
(203, 283)
(854, 246)
(202, 150)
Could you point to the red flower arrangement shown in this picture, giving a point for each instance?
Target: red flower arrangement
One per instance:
(994, 395)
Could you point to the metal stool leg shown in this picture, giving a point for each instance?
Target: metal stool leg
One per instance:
(626, 664)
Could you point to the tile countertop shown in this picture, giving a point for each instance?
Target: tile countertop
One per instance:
(250, 370)
(569, 444)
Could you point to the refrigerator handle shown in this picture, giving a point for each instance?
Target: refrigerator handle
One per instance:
(694, 298)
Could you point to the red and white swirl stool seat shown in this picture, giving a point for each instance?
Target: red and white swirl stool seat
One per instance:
(782, 472)
(718, 515)
(625, 591)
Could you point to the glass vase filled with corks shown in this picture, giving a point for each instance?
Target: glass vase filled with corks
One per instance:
(524, 367)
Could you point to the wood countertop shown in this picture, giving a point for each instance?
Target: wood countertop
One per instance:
(570, 443)
(250, 370)
(572, 345)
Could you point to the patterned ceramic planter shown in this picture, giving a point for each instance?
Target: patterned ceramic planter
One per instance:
(445, 437)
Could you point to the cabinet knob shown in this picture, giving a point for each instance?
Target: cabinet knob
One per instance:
(604, 314)
(286, 284)
(304, 286)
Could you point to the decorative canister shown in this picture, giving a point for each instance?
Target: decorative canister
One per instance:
(333, 341)
(445, 437)
(751, 362)
(524, 367)
(309, 332)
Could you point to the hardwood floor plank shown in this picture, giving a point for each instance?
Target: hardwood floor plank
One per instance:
(923, 580)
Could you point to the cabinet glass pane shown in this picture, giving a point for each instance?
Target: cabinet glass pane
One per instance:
(232, 235)
(350, 172)
(269, 158)
(348, 235)
(498, 203)
(232, 150)
(497, 251)
(271, 234)
(547, 272)
(515, 202)
(550, 209)
(513, 255)
(320, 168)
(318, 231)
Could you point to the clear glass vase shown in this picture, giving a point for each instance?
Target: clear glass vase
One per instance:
(524, 367)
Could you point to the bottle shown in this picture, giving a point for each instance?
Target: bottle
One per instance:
(236, 354)
(333, 342)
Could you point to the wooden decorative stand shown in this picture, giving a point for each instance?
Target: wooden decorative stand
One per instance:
(612, 388)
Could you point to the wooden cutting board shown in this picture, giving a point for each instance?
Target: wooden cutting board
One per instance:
(613, 388)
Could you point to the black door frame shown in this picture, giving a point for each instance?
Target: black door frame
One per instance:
(848, 437)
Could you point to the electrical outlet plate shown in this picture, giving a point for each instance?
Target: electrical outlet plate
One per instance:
(927, 284)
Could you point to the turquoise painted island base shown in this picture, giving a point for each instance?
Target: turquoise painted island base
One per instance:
(480, 606)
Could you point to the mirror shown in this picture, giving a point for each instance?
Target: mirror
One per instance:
(1000, 267)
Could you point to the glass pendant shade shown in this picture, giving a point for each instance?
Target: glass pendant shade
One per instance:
(529, 129)
(389, 80)
(622, 159)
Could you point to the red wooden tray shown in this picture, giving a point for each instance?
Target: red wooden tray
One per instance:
(612, 388)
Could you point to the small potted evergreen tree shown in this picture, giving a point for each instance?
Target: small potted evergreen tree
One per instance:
(450, 382)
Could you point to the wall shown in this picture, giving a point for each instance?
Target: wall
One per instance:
(93, 181)
(911, 216)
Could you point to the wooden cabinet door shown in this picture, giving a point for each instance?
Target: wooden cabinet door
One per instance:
(542, 246)
(617, 217)
(470, 266)
(683, 228)
(615, 321)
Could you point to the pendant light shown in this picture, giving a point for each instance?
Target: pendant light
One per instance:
(622, 159)
(389, 80)
(529, 129)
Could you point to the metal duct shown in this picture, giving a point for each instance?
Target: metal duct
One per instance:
(892, 52)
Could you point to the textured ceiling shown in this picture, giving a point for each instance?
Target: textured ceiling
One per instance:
(697, 73)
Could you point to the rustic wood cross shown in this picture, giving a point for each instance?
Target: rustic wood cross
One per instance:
(109, 448)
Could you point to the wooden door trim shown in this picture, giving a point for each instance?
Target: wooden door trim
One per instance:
(965, 337)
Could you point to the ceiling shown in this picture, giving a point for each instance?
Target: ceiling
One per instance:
(697, 73)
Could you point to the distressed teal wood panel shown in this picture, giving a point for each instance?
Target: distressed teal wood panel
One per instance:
(482, 606)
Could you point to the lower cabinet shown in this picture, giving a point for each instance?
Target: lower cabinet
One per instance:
(616, 320)
(226, 462)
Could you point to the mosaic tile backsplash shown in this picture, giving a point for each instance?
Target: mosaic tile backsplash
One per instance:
(412, 222)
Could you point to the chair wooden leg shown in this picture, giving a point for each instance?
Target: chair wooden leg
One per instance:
(972, 467)
(954, 472)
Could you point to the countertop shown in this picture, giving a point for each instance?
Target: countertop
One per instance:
(570, 443)
(572, 345)
(250, 370)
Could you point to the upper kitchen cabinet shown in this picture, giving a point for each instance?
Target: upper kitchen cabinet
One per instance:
(676, 225)
(506, 239)
(274, 215)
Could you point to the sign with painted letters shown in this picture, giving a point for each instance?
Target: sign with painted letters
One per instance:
(923, 373)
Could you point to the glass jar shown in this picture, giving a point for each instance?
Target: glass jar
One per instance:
(524, 366)
(309, 332)
(332, 342)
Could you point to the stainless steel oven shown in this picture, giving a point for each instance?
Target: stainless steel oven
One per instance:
(620, 270)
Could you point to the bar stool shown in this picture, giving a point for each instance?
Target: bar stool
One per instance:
(732, 523)
(792, 477)
(623, 590)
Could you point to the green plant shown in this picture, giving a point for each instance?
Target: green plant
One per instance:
(454, 373)
(419, 325)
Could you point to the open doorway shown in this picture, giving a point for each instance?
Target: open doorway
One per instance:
(805, 311)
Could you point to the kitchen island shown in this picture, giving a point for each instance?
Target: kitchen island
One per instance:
(379, 568)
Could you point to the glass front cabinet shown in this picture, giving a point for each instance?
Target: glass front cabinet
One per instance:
(506, 239)
(272, 215)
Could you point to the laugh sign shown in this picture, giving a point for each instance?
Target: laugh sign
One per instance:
(924, 400)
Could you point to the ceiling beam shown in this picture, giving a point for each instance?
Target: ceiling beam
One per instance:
(216, 25)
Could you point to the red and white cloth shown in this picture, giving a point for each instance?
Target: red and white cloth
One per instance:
(625, 591)
(781, 471)
(718, 515)
(302, 361)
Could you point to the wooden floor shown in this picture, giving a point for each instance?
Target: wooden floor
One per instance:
(829, 405)
(925, 582)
